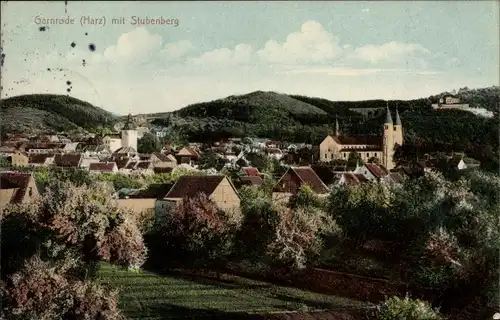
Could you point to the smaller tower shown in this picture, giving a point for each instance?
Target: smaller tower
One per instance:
(129, 134)
(398, 130)
(337, 127)
(388, 143)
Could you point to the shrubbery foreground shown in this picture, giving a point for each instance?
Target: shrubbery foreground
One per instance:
(446, 232)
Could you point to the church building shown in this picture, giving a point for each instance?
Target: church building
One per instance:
(126, 143)
(380, 147)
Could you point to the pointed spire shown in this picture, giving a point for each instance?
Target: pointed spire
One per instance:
(337, 129)
(398, 119)
(388, 118)
(129, 124)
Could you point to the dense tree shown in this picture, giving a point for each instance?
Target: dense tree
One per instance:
(66, 233)
(210, 159)
(199, 231)
(148, 144)
(46, 290)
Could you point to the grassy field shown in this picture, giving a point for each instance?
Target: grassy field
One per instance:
(145, 295)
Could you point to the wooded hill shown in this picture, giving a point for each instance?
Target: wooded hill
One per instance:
(50, 113)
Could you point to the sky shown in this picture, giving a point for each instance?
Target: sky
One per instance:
(209, 50)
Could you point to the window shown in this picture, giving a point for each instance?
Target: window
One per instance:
(367, 154)
(386, 127)
(30, 192)
(345, 155)
(326, 155)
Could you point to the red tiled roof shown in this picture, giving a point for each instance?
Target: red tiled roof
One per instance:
(102, 166)
(12, 180)
(143, 156)
(162, 157)
(251, 180)
(377, 170)
(354, 178)
(162, 170)
(360, 150)
(192, 152)
(144, 165)
(359, 140)
(131, 165)
(395, 176)
(190, 186)
(67, 160)
(156, 191)
(308, 176)
(38, 158)
(46, 146)
(251, 172)
(360, 177)
(122, 162)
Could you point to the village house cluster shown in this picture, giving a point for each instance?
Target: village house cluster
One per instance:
(117, 153)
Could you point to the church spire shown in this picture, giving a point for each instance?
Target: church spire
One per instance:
(398, 119)
(388, 118)
(337, 128)
(129, 124)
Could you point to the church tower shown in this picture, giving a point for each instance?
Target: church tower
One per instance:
(129, 134)
(337, 127)
(388, 143)
(398, 130)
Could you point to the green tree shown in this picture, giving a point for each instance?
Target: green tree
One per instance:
(120, 181)
(4, 163)
(374, 160)
(148, 144)
(210, 159)
(354, 158)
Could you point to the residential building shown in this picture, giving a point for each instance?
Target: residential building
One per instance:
(143, 200)
(161, 160)
(293, 179)
(250, 172)
(103, 167)
(40, 160)
(217, 188)
(372, 171)
(351, 178)
(187, 155)
(18, 159)
(68, 160)
(17, 188)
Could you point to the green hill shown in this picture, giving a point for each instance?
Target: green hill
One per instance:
(258, 107)
(49, 113)
(308, 119)
(487, 98)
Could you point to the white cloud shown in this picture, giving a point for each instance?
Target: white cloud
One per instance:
(311, 44)
(311, 62)
(242, 53)
(354, 72)
(176, 50)
(136, 45)
(388, 51)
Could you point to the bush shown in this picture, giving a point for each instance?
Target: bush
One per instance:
(198, 231)
(396, 308)
(43, 290)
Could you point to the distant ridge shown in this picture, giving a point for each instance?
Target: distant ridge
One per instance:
(50, 112)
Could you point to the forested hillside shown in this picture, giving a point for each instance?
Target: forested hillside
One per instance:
(49, 112)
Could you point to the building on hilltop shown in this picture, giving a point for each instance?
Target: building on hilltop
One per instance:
(126, 141)
(380, 147)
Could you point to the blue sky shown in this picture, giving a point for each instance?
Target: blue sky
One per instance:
(336, 50)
